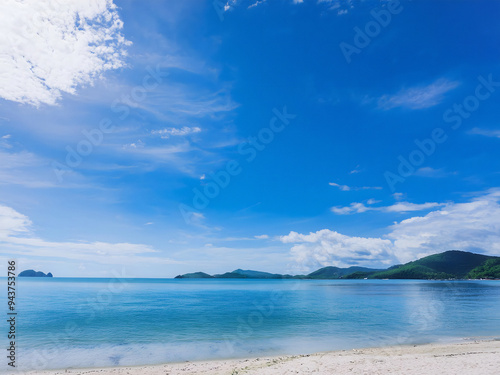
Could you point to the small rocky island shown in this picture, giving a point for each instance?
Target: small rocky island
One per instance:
(32, 273)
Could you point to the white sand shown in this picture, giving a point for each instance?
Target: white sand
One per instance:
(476, 357)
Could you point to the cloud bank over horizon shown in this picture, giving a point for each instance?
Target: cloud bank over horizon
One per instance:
(472, 226)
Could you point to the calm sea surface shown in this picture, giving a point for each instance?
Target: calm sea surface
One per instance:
(104, 322)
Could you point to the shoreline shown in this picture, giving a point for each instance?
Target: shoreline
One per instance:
(472, 356)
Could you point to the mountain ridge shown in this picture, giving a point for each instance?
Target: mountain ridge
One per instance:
(451, 264)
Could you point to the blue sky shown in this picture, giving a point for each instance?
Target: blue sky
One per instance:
(342, 133)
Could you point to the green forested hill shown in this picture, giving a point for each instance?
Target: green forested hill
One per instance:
(489, 270)
(451, 264)
(337, 273)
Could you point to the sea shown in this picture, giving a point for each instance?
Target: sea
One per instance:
(81, 322)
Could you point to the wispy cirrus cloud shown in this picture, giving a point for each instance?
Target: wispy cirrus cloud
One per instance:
(399, 207)
(351, 188)
(23, 168)
(16, 234)
(256, 4)
(262, 237)
(341, 6)
(12, 222)
(419, 97)
(46, 50)
(432, 172)
(486, 132)
(169, 132)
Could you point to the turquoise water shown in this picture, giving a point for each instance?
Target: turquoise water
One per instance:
(108, 322)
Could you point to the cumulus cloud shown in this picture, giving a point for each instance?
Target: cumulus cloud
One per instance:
(418, 97)
(470, 226)
(327, 248)
(49, 48)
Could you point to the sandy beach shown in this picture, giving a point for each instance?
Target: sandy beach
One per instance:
(471, 357)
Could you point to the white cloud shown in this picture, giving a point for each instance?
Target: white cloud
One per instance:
(398, 196)
(331, 4)
(256, 4)
(16, 236)
(418, 97)
(25, 169)
(431, 172)
(12, 222)
(355, 171)
(326, 248)
(485, 132)
(471, 226)
(410, 207)
(356, 208)
(229, 5)
(49, 48)
(349, 188)
(169, 132)
(351, 209)
(137, 144)
(262, 237)
(341, 187)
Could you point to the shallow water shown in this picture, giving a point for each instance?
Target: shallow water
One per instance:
(109, 322)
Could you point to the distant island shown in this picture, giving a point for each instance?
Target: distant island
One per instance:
(450, 265)
(32, 273)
